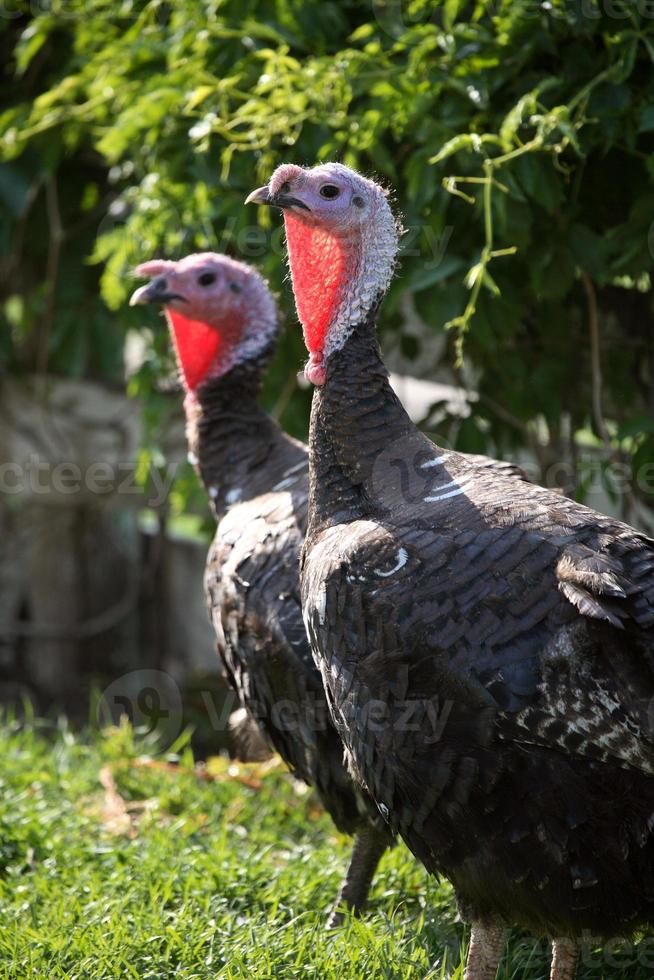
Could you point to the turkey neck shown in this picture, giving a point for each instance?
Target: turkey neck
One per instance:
(238, 451)
(355, 416)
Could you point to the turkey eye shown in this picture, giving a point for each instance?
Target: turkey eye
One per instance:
(207, 278)
(285, 188)
(329, 191)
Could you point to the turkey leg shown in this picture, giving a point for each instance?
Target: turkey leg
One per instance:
(564, 959)
(485, 953)
(369, 845)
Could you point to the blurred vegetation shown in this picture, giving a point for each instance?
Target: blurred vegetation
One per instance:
(134, 128)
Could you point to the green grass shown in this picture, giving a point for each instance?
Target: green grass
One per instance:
(202, 879)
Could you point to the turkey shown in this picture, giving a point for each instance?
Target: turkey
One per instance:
(486, 644)
(223, 323)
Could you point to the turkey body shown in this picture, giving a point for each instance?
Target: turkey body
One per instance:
(487, 650)
(257, 480)
(252, 591)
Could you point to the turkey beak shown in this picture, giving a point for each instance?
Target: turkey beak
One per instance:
(263, 196)
(260, 196)
(156, 291)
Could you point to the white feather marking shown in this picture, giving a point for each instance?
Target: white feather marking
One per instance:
(192, 458)
(294, 469)
(233, 495)
(436, 461)
(402, 558)
(321, 604)
(283, 484)
(213, 492)
(461, 488)
(446, 486)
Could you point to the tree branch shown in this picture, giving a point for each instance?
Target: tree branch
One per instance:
(595, 362)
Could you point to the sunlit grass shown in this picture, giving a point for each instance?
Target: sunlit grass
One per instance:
(109, 868)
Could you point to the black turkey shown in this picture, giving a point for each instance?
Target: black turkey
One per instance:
(223, 322)
(486, 645)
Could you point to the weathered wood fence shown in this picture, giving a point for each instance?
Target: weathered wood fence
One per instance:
(87, 593)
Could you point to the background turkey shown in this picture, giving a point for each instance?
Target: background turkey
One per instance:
(486, 644)
(249, 741)
(224, 327)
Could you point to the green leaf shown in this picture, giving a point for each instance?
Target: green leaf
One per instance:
(14, 188)
(636, 426)
(198, 95)
(426, 276)
(464, 141)
(523, 109)
(31, 41)
(646, 121)
(451, 10)
(490, 283)
(589, 250)
(539, 180)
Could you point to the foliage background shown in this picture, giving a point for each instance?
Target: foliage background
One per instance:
(132, 128)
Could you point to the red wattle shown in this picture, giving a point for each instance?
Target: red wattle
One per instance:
(318, 268)
(197, 347)
(314, 369)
